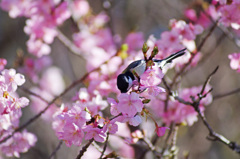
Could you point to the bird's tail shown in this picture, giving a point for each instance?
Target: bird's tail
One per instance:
(169, 59)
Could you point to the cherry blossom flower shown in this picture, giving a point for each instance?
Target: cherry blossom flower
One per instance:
(3, 63)
(71, 134)
(110, 126)
(152, 76)
(235, 61)
(77, 115)
(134, 121)
(114, 107)
(161, 130)
(19, 143)
(129, 104)
(12, 79)
(134, 41)
(93, 132)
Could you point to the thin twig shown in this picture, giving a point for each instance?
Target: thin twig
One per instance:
(33, 94)
(105, 146)
(226, 94)
(72, 47)
(173, 147)
(168, 137)
(96, 146)
(55, 150)
(208, 79)
(84, 149)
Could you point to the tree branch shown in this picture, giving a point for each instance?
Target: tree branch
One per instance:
(213, 136)
(226, 94)
(105, 146)
(84, 149)
(55, 150)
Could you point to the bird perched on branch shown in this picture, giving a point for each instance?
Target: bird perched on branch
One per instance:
(126, 78)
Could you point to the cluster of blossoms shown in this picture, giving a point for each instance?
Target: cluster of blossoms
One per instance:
(84, 119)
(235, 61)
(43, 18)
(10, 113)
(228, 14)
(178, 112)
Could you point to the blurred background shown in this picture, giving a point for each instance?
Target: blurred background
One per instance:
(149, 17)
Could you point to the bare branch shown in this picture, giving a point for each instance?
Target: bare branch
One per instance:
(33, 94)
(208, 79)
(84, 149)
(55, 150)
(105, 146)
(71, 47)
(226, 94)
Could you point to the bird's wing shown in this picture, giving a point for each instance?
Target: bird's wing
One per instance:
(138, 66)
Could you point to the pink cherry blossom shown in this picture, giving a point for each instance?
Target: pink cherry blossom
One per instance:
(19, 143)
(52, 81)
(161, 130)
(110, 126)
(61, 13)
(82, 96)
(191, 14)
(12, 79)
(71, 134)
(32, 67)
(78, 115)
(114, 107)
(93, 132)
(134, 41)
(3, 63)
(152, 76)
(235, 61)
(134, 120)
(79, 8)
(155, 90)
(19, 103)
(129, 104)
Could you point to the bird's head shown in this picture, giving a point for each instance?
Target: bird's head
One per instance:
(124, 82)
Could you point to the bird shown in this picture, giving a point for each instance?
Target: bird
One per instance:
(126, 78)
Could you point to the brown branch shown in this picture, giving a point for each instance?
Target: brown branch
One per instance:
(208, 79)
(55, 150)
(213, 136)
(84, 149)
(33, 94)
(71, 46)
(226, 94)
(105, 146)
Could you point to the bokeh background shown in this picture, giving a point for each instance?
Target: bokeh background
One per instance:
(149, 17)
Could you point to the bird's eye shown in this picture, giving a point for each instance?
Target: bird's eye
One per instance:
(122, 83)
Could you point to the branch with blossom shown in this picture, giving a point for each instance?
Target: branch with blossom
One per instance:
(98, 114)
